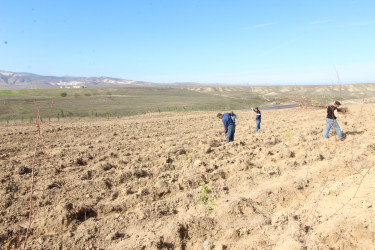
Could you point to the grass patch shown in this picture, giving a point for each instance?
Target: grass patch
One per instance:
(126, 101)
(6, 92)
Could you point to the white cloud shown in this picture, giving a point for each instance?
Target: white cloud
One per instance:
(261, 25)
(319, 21)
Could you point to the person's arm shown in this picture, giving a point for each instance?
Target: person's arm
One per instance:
(225, 123)
(342, 113)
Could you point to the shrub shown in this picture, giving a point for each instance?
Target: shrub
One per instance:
(63, 94)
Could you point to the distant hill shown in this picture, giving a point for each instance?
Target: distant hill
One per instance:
(12, 80)
(20, 80)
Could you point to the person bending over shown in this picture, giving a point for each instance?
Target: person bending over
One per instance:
(229, 127)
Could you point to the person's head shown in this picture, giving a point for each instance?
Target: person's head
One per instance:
(219, 115)
(336, 104)
(256, 109)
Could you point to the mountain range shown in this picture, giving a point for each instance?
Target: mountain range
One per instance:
(13, 80)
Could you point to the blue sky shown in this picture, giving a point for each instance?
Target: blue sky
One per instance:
(254, 42)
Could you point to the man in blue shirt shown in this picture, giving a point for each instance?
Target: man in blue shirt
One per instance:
(229, 127)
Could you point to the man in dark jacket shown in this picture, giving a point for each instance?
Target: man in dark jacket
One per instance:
(258, 118)
(229, 127)
(331, 120)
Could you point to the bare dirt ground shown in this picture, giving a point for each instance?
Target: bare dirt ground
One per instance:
(135, 183)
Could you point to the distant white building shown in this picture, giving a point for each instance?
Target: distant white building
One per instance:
(72, 84)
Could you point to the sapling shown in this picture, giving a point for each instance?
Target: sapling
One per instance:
(206, 199)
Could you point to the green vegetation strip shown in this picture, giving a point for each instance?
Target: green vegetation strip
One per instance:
(19, 105)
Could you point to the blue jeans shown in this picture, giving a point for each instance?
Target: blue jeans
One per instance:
(230, 133)
(257, 125)
(332, 123)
